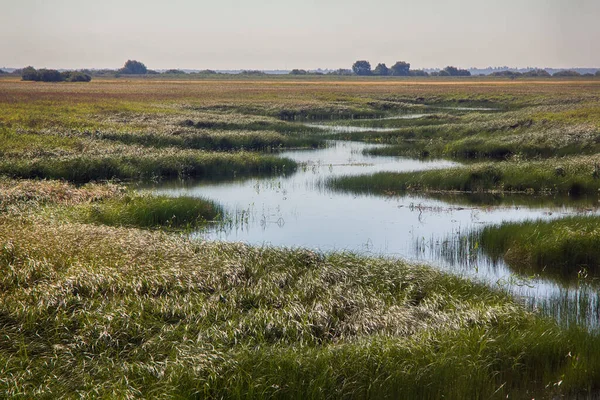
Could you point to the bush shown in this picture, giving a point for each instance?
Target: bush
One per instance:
(252, 72)
(76, 76)
(174, 72)
(506, 74)
(52, 75)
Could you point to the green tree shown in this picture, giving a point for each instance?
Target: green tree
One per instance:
(453, 71)
(401, 68)
(537, 73)
(566, 74)
(133, 67)
(418, 72)
(298, 72)
(30, 74)
(362, 68)
(381, 70)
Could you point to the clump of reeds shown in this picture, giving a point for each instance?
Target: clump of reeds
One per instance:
(567, 248)
(150, 211)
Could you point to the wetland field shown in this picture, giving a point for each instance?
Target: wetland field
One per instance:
(300, 238)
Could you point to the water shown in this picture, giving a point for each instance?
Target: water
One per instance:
(300, 211)
(360, 129)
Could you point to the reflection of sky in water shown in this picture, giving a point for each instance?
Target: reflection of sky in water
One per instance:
(297, 211)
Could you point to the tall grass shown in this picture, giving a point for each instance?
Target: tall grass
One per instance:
(154, 165)
(149, 211)
(112, 312)
(568, 248)
(571, 176)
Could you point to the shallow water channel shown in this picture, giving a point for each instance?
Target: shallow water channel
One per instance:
(300, 211)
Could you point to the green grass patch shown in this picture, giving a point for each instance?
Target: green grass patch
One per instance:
(32, 145)
(114, 312)
(149, 211)
(567, 248)
(157, 165)
(569, 176)
(216, 140)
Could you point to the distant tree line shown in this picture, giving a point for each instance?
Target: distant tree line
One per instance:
(402, 68)
(360, 68)
(52, 75)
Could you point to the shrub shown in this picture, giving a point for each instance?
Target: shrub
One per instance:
(174, 72)
(75, 76)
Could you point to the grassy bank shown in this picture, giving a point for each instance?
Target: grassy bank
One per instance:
(568, 248)
(116, 312)
(149, 211)
(152, 165)
(573, 176)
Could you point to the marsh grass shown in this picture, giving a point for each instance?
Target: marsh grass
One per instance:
(574, 176)
(149, 211)
(152, 165)
(568, 248)
(216, 140)
(112, 312)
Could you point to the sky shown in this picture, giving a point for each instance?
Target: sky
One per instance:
(309, 34)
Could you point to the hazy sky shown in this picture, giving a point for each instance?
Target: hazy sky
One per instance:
(283, 34)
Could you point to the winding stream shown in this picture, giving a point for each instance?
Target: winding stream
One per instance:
(300, 211)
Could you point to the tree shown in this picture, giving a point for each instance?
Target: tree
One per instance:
(401, 68)
(381, 70)
(174, 72)
(361, 67)
(566, 73)
(453, 71)
(133, 67)
(341, 71)
(598, 73)
(506, 74)
(298, 72)
(418, 72)
(537, 73)
(30, 74)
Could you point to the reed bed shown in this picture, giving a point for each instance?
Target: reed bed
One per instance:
(149, 211)
(574, 176)
(166, 164)
(567, 248)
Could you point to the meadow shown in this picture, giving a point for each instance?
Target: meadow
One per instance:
(104, 295)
